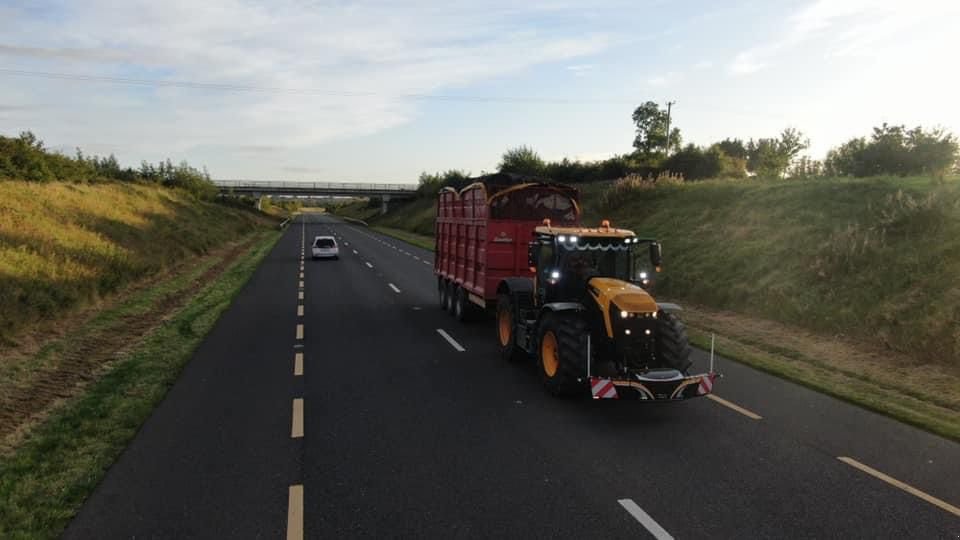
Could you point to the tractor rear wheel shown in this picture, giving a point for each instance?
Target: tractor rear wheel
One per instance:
(562, 353)
(507, 330)
(673, 346)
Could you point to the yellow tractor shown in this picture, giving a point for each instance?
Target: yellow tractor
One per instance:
(590, 323)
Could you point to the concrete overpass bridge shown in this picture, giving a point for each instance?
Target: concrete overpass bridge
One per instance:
(260, 188)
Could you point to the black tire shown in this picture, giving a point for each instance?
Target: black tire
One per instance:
(451, 295)
(673, 347)
(569, 331)
(462, 308)
(507, 330)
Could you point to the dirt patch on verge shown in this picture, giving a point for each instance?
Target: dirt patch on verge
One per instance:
(57, 360)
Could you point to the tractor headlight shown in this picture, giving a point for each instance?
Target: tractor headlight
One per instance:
(573, 238)
(562, 238)
(555, 274)
(624, 314)
(643, 275)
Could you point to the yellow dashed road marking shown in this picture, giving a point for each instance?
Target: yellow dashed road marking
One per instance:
(943, 505)
(735, 407)
(295, 513)
(296, 430)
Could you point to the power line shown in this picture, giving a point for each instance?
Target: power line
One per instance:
(302, 91)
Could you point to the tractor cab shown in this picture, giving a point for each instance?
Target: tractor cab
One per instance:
(566, 259)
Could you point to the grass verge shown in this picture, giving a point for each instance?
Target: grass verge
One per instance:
(46, 479)
(927, 397)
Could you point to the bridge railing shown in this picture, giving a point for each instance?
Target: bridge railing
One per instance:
(315, 186)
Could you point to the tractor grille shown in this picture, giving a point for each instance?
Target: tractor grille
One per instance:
(635, 340)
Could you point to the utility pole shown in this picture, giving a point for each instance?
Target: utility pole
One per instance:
(669, 106)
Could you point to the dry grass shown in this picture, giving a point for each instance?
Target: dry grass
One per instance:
(66, 245)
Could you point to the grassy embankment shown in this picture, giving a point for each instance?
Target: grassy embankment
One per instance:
(106, 290)
(847, 286)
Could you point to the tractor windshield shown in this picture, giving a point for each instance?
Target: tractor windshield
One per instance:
(596, 257)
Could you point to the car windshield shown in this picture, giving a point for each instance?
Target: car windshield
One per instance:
(591, 257)
(325, 243)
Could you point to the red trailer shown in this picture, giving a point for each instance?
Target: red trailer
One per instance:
(483, 231)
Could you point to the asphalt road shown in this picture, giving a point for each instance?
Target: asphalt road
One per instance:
(384, 428)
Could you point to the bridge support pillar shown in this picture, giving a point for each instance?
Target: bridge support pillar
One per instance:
(384, 203)
(259, 199)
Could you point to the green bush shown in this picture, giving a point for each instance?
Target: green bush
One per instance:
(25, 158)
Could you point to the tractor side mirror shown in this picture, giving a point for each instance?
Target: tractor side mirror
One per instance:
(533, 255)
(656, 255)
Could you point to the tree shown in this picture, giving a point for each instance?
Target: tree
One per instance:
(651, 122)
(696, 163)
(772, 157)
(897, 151)
(430, 184)
(522, 160)
(733, 148)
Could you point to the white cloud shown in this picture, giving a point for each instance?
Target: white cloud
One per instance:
(379, 50)
(845, 28)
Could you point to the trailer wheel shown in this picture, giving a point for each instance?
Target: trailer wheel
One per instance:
(562, 353)
(463, 309)
(507, 330)
(448, 296)
(673, 347)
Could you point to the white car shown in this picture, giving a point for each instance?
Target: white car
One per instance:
(324, 247)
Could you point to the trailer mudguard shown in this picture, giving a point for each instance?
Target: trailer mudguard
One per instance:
(515, 285)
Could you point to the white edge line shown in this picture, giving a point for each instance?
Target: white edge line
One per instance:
(648, 522)
(450, 340)
(394, 287)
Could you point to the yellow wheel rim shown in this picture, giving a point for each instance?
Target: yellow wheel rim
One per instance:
(504, 326)
(548, 354)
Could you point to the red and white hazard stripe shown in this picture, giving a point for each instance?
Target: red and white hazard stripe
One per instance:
(706, 385)
(603, 388)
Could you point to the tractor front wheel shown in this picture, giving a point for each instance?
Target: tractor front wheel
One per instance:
(562, 348)
(673, 346)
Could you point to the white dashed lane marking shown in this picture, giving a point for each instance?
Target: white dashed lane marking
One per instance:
(648, 522)
(453, 343)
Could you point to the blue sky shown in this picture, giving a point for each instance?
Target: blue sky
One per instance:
(560, 76)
